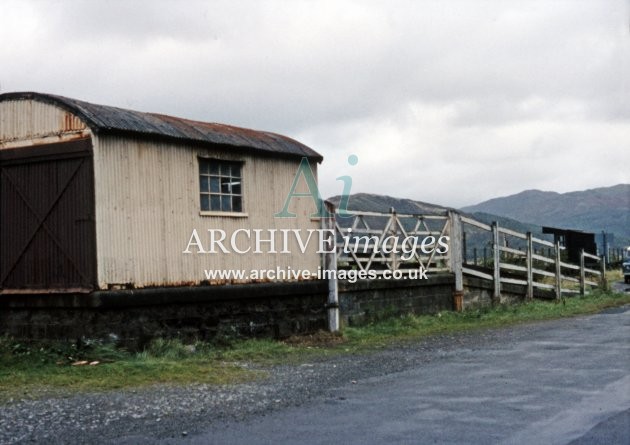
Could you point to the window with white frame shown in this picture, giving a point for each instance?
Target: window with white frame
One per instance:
(220, 185)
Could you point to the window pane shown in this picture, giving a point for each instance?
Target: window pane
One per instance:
(236, 204)
(225, 185)
(220, 185)
(204, 184)
(226, 203)
(215, 202)
(205, 205)
(215, 184)
(203, 167)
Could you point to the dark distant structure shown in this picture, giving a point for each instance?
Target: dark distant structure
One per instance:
(604, 242)
(574, 241)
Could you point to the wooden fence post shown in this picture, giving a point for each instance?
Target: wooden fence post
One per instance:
(464, 249)
(582, 274)
(496, 296)
(394, 228)
(457, 259)
(530, 266)
(558, 272)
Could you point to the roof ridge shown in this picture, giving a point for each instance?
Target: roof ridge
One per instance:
(110, 119)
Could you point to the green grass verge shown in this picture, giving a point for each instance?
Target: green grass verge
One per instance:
(410, 326)
(34, 370)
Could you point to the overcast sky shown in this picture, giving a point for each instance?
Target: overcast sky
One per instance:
(450, 102)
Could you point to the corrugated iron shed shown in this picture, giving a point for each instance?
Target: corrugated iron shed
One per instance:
(104, 119)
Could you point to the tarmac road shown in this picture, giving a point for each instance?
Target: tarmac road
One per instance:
(567, 383)
(620, 286)
(557, 382)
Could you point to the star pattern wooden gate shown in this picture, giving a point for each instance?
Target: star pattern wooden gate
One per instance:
(379, 242)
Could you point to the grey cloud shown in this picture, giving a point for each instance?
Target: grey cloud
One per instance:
(335, 72)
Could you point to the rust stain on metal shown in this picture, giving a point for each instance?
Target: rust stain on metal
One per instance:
(113, 120)
(51, 138)
(200, 283)
(72, 290)
(72, 123)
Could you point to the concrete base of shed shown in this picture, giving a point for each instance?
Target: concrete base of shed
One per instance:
(135, 316)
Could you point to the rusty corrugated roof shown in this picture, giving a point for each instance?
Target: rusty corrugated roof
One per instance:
(112, 120)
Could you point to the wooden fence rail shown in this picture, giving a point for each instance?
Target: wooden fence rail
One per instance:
(380, 243)
(531, 267)
(384, 242)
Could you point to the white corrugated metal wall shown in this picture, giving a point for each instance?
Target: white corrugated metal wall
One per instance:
(147, 201)
(147, 196)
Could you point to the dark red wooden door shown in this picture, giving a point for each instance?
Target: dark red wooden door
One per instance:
(47, 224)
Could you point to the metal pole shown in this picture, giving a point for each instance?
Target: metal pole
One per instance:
(558, 272)
(604, 283)
(582, 274)
(496, 296)
(330, 267)
(530, 263)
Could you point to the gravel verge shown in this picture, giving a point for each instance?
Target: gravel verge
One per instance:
(163, 412)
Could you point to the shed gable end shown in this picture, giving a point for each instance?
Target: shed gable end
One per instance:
(29, 122)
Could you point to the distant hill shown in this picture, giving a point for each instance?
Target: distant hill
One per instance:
(480, 239)
(368, 202)
(594, 210)
(591, 210)
(508, 223)
(476, 238)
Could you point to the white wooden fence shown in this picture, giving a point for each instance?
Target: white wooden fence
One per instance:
(531, 267)
(374, 242)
